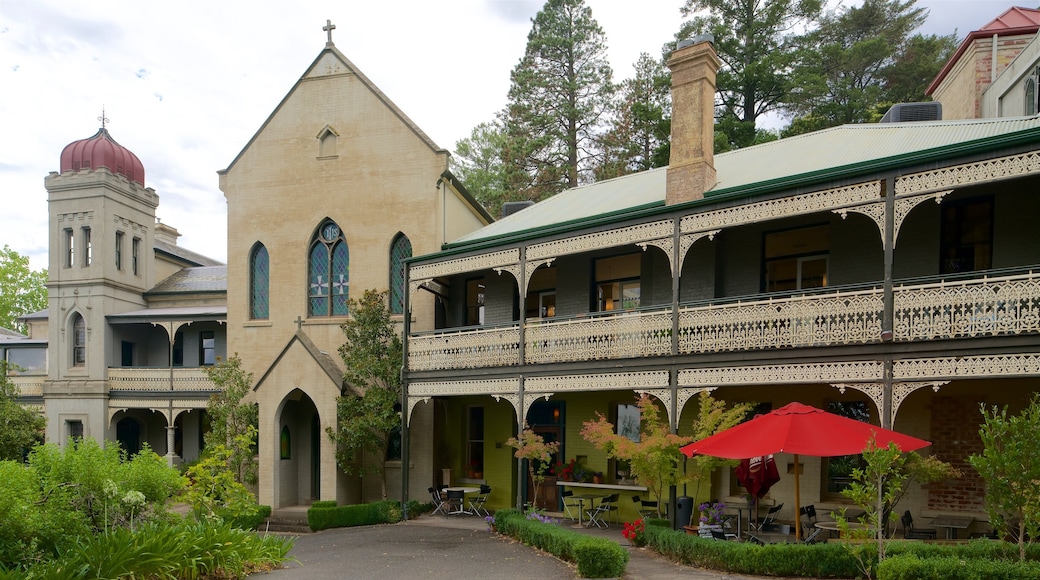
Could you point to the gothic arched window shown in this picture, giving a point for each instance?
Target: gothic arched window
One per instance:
(328, 266)
(400, 250)
(259, 283)
(79, 341)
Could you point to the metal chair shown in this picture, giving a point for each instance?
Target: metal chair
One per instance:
(456, 502)
(569, 501)
(476, 505)
(809, 529)
(647, 508)
(770, 518)
(911, 533)
(438, 502)
(601, 513)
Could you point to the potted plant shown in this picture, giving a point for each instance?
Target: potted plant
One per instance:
(711, 518)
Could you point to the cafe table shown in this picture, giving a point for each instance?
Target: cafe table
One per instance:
(952, 523)
(590, 494)
(465, 491)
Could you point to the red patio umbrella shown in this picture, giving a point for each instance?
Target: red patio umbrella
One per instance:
(800, 430)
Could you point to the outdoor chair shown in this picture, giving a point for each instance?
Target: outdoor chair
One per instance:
(476, 505)
(717, 535)
(438, 502)
(600, 515)
(570, 502)
(646, 508)
(809, 529)
(456, 502)
(911, 533)
(770, 518)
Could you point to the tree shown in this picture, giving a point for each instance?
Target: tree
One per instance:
(20, 428)
(860, 60)
(639, 139)
(369, 417)
(756, 41)
(712, 417)
(539, 455)
(22, 290)
(655, 459)
(558, 100)
(1010, 465)
(877, 486)
(478, 164)
(234, 423)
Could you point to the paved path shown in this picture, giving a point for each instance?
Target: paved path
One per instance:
(435, 548)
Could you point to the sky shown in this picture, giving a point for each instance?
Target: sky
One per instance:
(186, 84)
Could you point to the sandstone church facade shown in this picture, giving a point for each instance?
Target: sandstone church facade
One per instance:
(327, 199)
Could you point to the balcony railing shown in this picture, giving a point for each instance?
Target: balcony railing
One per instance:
(159, 379)
(464, 349)
(813, 320)
(1006, 305)
(924, 310)
(29, 385)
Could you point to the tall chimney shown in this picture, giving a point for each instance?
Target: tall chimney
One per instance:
(691, 166)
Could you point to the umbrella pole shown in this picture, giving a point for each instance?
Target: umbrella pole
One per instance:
(797, 501)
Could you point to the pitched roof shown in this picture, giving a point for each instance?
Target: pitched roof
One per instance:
(1014, 21)
(837, 153)
(185, 255)
(200, 279)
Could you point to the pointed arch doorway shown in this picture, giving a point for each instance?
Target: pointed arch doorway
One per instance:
(298, 464)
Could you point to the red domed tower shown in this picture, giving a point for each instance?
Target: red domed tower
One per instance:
(101, 150)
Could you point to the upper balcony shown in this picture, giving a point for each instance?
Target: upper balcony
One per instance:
(157, 380)
(924, 309)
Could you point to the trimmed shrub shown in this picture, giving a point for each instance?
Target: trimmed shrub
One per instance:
(912, 567)
(330, 503)
(252, 521)
(366, 514)
(595, 557)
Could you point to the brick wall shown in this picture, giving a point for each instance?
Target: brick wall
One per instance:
(955, 436)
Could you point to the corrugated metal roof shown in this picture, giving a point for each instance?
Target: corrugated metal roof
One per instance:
(825, 155)
(202, 279)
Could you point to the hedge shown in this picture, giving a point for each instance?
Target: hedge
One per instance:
(595, 557)
(982, 559)
(382, 512)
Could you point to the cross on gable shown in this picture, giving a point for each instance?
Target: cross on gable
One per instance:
(299, 322)
(328, 28)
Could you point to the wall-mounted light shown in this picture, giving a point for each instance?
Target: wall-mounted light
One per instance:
(556, 414)
(886, 335)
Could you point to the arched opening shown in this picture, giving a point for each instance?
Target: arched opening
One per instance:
(298, 464)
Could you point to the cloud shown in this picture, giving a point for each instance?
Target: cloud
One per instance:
(142, 73)
(513, 11)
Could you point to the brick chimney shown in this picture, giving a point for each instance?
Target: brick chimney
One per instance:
(691, 166)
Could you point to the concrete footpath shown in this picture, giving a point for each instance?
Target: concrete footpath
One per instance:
(438, 547)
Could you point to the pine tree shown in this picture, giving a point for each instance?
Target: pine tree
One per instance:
(560, 94)
(755, 39)
(639, 139)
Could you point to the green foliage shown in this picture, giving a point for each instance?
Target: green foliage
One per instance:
(234, 423)
(560, 91)
(22, 290)
(913, 568)
(366, 514)
(189, 550)
(251, 521)
(595, 557)
(860, 57)
(755, 39)
(478, 164)
(20, 428)
(1010, 465)
(330, 503)
(639, 138)
(214, 493)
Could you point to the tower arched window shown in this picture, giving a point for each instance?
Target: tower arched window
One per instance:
(1030, 96)
(259, 283)
(328, 268)
(79, 341)
(400, 250)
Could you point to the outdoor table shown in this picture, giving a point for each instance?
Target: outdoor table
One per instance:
(592, 496)
(833, 526)
(465, 491)
(952, 524)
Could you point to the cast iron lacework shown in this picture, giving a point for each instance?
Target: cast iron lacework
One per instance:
(400, 250)
(260, 276)
(328, 266)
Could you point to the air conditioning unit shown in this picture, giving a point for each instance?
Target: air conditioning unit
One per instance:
(910, 112)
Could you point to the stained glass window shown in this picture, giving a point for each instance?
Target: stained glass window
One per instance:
(260, 277)
(329, 272)
(400, 250)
